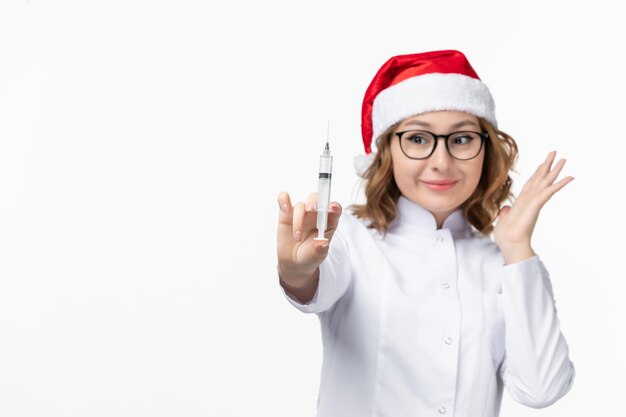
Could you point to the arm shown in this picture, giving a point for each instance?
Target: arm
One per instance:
(536, 369)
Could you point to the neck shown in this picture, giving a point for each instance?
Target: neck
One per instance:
(441, 217)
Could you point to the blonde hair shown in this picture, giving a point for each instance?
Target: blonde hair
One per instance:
(480, 209)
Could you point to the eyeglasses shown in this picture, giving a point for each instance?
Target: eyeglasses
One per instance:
(420, 144)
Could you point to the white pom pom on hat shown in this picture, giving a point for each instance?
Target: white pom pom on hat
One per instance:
(408, 85)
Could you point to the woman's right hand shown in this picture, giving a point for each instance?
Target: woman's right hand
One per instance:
(299, 252)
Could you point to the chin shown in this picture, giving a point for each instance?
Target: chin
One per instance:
(435, 207)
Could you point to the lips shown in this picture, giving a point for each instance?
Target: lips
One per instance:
(439, 185)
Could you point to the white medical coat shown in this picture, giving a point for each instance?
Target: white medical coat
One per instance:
(426, 322)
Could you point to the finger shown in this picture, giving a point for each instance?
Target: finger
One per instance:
(298, 221)
(554, 173)
(544, 167)
(334, 213)
(311, 202)
(284, 205)
(551, 190)
(540, 173)
(549, 160)
(320, 249)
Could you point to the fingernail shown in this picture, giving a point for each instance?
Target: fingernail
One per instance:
(297, 235)
(324, 243)
(310, 207)
(285, 208)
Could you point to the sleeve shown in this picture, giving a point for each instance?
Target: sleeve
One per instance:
(335, 277)
(536, 368)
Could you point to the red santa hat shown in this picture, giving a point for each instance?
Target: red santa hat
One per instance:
(407, 85)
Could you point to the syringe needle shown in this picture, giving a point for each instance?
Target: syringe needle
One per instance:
(328, 133)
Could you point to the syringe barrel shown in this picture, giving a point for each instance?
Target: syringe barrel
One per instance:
(326, 164)
(323, 192)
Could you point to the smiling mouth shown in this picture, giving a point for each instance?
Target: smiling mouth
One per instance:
(439, 185)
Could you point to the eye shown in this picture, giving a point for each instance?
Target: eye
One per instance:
(417, 138)
(464, 138)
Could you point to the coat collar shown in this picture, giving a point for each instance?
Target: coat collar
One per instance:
(421, 221)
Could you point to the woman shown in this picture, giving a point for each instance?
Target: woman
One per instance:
(426, 307)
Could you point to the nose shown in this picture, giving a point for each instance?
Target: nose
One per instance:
(440, 160)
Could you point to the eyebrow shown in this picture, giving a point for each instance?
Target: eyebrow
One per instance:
(454, 126)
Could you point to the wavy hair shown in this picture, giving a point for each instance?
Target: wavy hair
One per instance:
(480, 209)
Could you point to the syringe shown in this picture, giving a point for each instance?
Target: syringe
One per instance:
(323, 191)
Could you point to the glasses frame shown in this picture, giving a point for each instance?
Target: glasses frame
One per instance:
(483, 137)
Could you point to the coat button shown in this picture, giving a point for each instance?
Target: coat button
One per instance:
(439, 239)
(448, 341)
(442, 410)
(446, 286)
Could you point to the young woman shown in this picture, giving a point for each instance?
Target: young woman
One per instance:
(430, 296)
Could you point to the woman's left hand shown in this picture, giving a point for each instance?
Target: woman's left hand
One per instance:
(515, 225)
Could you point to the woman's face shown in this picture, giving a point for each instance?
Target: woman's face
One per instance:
(439, 183)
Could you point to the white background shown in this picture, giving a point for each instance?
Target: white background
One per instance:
(142, 147)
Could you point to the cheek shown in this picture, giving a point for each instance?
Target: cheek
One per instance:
(475, 173)
(406, 170)
(398, 163)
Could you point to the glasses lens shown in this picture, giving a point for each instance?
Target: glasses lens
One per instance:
(464, 145)
(417, 144)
